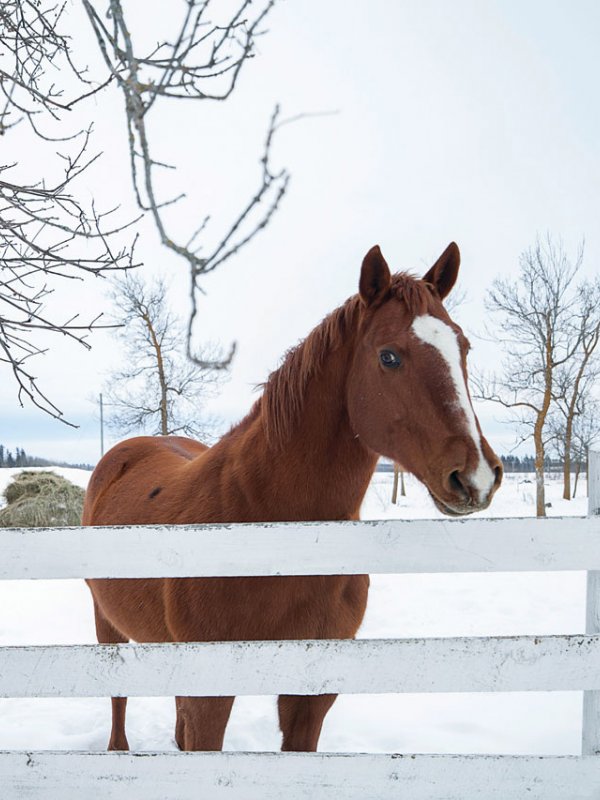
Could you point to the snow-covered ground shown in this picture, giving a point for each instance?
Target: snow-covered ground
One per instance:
(60, 612)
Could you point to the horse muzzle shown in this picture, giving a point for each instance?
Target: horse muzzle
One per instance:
(460, 494)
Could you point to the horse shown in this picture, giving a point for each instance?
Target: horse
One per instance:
(385, 374)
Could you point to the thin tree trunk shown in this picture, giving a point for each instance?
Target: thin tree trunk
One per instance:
(589, 348)
(567, 460)
(164, 417)
(395, 489)
(538, 431)
(569, 431)
(577, 471)
(540, 495)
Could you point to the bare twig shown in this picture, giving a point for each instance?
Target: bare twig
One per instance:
(203, 62)
(47, 233)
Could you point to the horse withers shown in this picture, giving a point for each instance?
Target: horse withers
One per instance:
(384, 374)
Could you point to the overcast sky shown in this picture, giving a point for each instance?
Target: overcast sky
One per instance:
(471, 121)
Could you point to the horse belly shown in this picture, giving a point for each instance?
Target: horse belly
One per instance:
(134, 607)
(228, 609)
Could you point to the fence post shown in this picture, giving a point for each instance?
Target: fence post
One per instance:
(591, 700)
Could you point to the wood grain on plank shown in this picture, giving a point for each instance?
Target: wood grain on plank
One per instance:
(295, 776)
(486, 664)
(311, 548)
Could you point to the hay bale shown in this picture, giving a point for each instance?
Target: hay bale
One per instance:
(29, 483)
(41, 499)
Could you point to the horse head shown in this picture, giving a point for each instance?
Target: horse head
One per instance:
(408, 396)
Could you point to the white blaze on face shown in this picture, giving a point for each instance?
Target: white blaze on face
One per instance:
(438, 334)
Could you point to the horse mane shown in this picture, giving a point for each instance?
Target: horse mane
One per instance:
(282, 401)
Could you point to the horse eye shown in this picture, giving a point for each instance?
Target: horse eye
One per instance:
(389, 359)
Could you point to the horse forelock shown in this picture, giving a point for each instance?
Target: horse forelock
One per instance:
(285, 389)
(416, 294)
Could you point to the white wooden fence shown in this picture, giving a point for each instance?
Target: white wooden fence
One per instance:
(521, 663)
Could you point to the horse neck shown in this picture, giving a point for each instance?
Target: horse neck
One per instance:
(321, 470)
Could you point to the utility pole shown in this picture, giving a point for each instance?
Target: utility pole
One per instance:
(101, 427)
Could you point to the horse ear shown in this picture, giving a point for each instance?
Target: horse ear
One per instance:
(375, 278)
(442, 276)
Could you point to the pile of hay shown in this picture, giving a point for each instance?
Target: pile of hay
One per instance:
(41, 499)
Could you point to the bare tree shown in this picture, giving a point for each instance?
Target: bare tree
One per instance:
(48, 235)
(158, 390)
(586, 435)
(576, 378)
(47, 232)
(534, 329)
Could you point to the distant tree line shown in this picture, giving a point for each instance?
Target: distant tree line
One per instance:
(21, 459)
(527, 464)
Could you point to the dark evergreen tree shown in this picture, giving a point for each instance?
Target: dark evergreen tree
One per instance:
(22, 459)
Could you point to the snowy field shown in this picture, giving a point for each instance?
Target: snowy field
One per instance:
(60, 612)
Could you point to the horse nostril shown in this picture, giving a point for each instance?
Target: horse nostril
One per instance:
(498, 476)
(456, 484)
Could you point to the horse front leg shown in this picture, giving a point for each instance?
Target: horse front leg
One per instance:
(201, 722)
(106, 633)
(301, 719)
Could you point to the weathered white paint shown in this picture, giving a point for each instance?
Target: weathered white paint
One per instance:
(438, 334)
(591, 700)
(371, 666)
(309, 548)
(295, 776)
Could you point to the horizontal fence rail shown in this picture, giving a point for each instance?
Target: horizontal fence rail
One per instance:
(302, 776)
(372, 666)
(309, 548)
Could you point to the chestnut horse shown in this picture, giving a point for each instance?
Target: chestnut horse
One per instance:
(384, 374)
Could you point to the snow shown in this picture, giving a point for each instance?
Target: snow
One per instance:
(60, 612)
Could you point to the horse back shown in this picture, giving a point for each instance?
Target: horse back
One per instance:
(132, 474)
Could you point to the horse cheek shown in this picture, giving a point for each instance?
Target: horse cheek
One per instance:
(367, 417)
